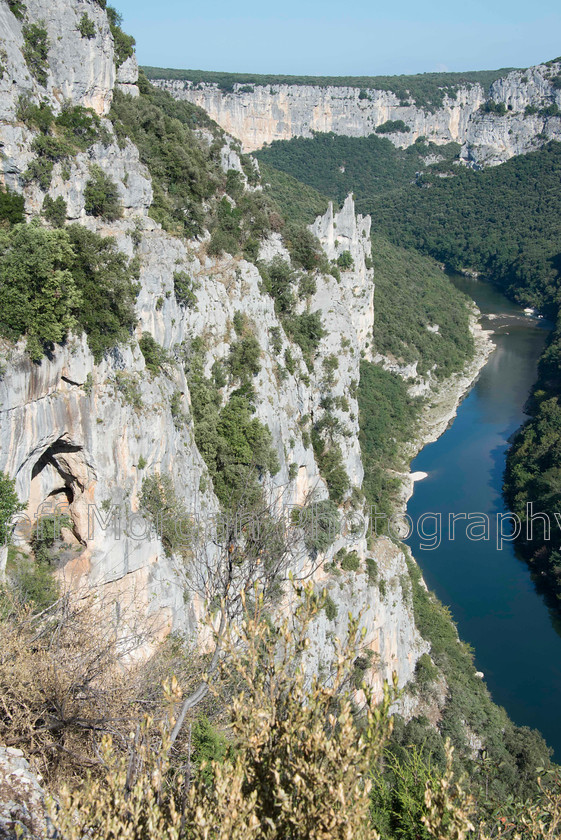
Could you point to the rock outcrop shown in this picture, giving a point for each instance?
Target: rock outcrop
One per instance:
(280, 112)
(23, 813)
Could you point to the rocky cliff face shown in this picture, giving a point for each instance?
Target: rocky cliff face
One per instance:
(72, 436)
(23, 812)
(279, 112)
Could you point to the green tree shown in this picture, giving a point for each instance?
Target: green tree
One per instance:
(9, 506)
(102, 196)
(38, 293)
(11, 207)
(86, 26)
(106, 284)
(122, 43)
(36, 50)
(54, 210)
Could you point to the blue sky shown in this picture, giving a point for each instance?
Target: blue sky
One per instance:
(341, 38)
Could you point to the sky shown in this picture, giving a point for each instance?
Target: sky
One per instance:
(324, 37)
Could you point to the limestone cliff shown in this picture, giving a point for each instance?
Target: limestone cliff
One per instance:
(530, 99)
(69, 432)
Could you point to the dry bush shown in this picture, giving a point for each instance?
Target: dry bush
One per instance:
(66, 679)
(299, 766)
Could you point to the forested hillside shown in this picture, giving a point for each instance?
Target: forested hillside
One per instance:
(503, 222)
(368, 166)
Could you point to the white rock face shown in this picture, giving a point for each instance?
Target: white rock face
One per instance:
(23, 810)
(127, 76)
(279, 112)
(79, 69)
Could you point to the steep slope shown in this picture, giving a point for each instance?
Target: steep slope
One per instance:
(515, 115)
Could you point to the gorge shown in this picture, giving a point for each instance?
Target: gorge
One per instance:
(189, 334)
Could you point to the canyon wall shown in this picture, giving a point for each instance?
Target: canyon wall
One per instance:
(280, 112)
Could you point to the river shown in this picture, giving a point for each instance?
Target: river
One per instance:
(517, 639)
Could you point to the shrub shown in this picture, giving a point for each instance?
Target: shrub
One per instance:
(304, 248)
(102, 196)
(32, 584)
(320, 523)
(392, 127)
(185, 171)
(221, 241)
(491, 107)
(371, 570)
(36, 50)
(244, 452)
(234, 184)
(81, 126)
(106, 284)
(329, 458)
(299, 766)
(86, 26)
(9, 506)
(38, 293)
(184, 288)
(278, 278)
(307, 286)
(154, 354)
(11, 207)
(292, 471)
(123, 44)
(348, 560)
(46, 276)
(226, 230)
(244, 358)
(176, 409)
(239, 322)
(105, 281)
(218, 374)
(39, 116)
(236, 447)
(345, 261)
(289, 361)
(167, 513)
(551, 110)
(54, 210)
(306, 331)
(51, 148)
(276, 339)
(17, 8)
(209, 746)
(330, 608)
(126, 385)
(40, 170)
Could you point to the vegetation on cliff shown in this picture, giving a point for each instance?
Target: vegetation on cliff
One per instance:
(185, 169)
(53, 282)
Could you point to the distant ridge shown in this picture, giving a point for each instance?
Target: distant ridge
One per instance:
(426, 89)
